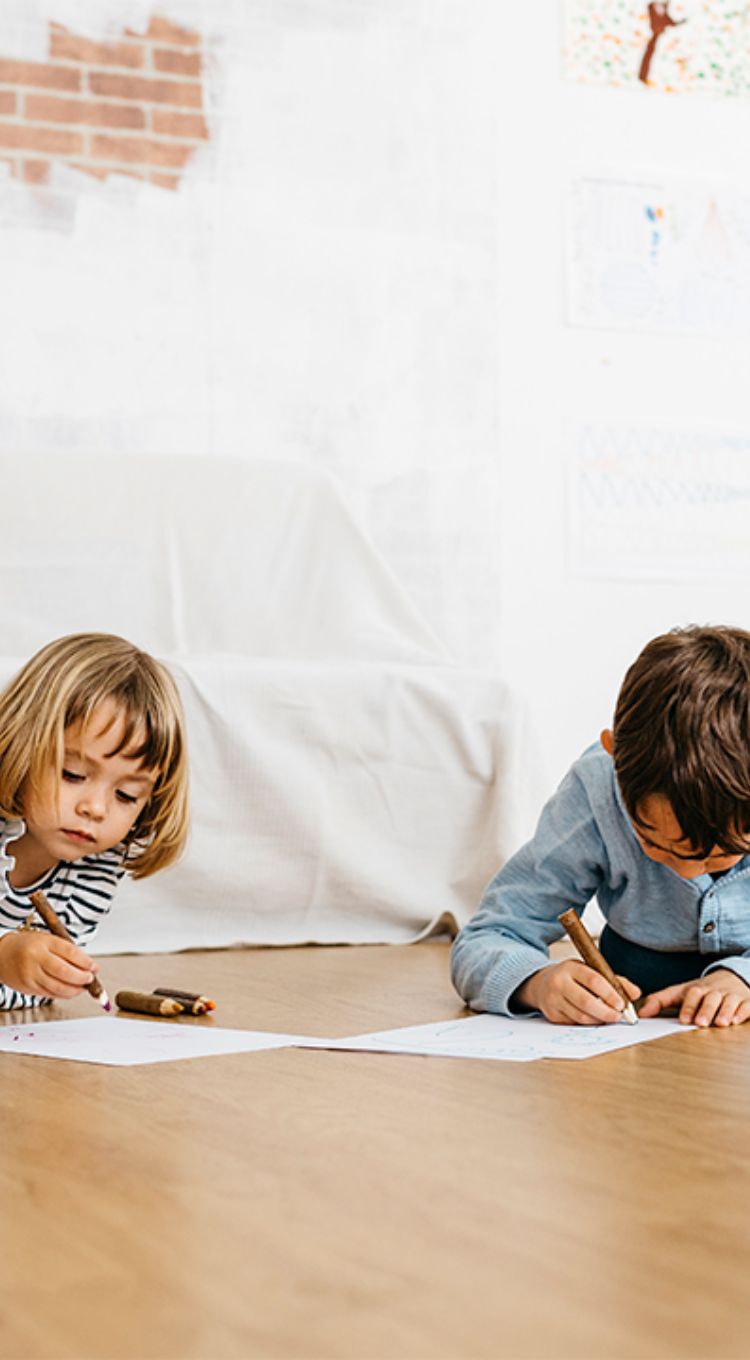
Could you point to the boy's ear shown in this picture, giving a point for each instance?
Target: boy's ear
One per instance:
(607, 740)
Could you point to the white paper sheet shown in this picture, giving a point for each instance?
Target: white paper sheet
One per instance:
(499, 1038)
(124, 1043)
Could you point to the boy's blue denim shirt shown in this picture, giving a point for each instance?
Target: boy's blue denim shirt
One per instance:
(584, 847)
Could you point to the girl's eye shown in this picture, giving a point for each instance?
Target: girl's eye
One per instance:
(126, 797)
(72, 776)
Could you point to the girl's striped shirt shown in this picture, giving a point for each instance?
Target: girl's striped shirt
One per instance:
(81, 893)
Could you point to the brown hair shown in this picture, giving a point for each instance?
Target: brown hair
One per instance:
(682, 729)
(64, 683)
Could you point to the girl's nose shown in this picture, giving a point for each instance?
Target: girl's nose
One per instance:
(92, 803)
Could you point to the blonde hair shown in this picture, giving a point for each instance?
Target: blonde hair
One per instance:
(64, 683)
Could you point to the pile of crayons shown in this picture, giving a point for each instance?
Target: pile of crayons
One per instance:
(165, 1001)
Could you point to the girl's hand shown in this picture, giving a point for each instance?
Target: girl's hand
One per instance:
(571, 993)
(720, 998)
(38, 963)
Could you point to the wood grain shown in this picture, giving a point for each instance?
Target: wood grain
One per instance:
(310, 1205)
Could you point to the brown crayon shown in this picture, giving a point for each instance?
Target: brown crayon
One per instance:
(148, 1004)
(55, 925)
(200, 1004)
(591, 954)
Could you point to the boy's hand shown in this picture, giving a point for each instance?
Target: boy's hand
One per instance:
(571, 993)
(36, 962)
(720, 998)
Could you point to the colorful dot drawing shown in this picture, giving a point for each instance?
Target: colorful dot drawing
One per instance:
(698, 47)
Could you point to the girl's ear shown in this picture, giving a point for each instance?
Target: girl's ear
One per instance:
(607, 740)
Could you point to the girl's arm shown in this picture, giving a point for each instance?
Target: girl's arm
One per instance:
(34, 963)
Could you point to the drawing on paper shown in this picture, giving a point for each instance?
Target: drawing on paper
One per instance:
(658, 257)
(658, 504)
(682, 46)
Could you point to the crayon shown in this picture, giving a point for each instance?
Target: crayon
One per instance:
(590, 953)
(200, 1004)
(55, 925)
(148, 1004)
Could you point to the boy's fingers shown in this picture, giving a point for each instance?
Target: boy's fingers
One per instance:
(700, 1007)
(630, 987)
(596, 1009)
(728, 1009)
(593, 982)
(660, 1001)
(742, 1014)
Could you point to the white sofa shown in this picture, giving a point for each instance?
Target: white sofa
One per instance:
(350, 783)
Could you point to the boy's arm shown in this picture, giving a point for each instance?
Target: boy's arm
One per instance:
(507, 941)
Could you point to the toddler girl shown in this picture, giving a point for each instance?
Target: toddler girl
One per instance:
(93, 785)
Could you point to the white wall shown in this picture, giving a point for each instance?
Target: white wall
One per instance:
(365, 268)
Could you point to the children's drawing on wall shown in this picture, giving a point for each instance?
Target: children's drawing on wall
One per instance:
(658, 504)
(681, 46)
(660, 19)
(658, 257)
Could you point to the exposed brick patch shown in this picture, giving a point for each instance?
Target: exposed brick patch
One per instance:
(177, 63)
(38, 75)
(69, 47)
(138, 151)
(95, 113)
(55, 141)
(35, 172)
(181, 93)
(161, 30)
(190, 125)
(83, 106)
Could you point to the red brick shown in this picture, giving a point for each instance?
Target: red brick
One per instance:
(164, 181)
(179, 124)
(36, 172)
(45, 108)
(51, 140)
(38, 75)
(101, 171)
(177, 63)
(181, 93)
(139, 150)
(70, 47)
(161, 30)
(7, 101)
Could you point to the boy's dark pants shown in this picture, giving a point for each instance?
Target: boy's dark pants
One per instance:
(649, 969)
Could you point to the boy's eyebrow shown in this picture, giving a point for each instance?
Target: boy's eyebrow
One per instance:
(655, 846)
(675, 853)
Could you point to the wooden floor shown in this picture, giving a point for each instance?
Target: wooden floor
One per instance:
(310, 1204)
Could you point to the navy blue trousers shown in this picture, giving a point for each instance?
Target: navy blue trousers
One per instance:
(650, 969)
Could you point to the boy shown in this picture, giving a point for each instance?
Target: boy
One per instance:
(654, 822)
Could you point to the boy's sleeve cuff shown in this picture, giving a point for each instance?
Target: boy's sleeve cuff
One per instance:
(509, 974)
(737, 963)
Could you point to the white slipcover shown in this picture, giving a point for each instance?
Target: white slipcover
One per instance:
(349, 783)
